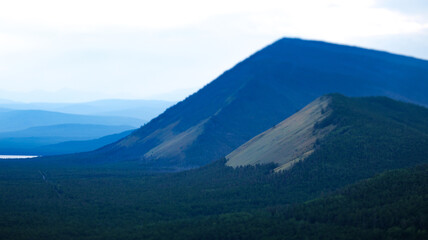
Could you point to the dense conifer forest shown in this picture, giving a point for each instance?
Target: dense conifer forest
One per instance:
(392, 205)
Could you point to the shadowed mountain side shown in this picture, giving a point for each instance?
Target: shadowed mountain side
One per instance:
(261, 91)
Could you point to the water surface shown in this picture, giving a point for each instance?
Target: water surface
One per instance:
(16, 156)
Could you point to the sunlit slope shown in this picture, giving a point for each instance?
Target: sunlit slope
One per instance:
(287, 143)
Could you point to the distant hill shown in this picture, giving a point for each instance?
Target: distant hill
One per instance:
(82, 131)
(33, 141)
(258, 93)
(79, 146)
(140, 109)
(15, 120)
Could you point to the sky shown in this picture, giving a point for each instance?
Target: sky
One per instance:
(82, 50)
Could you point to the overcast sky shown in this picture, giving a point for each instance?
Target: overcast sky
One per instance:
(88, 49)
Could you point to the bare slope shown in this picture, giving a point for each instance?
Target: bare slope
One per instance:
(287, 143)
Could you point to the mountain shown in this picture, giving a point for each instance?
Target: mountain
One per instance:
(32, 141)
(79, 146)
(354, 137)
(140, 109)
(82, 131)
(15, 120)
(261, 91)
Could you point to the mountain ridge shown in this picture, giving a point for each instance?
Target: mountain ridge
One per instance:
(288, 142)
(329, 117)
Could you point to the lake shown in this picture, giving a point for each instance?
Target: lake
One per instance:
(16, 156)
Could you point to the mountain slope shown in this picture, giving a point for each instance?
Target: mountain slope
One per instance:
(288, 142)
(261, 91)
(355, 137)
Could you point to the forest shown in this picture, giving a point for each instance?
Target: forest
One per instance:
(366, 180)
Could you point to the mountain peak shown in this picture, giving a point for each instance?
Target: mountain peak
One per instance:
(261, 91)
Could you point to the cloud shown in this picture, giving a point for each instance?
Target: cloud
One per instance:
(137, 49)
(415, 8)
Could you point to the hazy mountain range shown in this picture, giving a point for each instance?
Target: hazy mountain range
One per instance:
(140, 109)
(31, 128)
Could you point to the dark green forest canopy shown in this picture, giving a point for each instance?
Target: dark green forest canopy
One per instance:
(392, 205)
